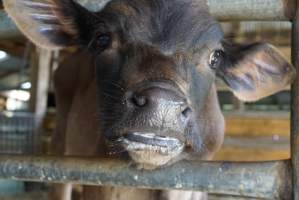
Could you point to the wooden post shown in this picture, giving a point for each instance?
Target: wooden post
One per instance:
(40, 76)
(295, 108)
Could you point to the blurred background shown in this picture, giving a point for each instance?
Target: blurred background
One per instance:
(254, 131)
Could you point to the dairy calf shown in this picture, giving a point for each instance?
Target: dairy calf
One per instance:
(142, 85)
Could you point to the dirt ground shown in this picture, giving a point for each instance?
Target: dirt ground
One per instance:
(43, 196)
(25, 196)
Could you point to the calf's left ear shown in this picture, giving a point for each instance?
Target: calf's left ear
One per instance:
(52, 24)
(254, 71)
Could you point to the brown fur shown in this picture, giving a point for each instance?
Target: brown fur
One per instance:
(78, 126)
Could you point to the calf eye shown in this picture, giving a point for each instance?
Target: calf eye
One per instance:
(216, 58)
(103, 41)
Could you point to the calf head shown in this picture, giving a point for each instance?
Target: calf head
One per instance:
(155, 63)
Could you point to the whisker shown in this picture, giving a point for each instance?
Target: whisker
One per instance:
(115, 147)
(116, 152)
(116, 85)
(110, 96)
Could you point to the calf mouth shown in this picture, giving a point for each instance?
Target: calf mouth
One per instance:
(167, 144)
(150, 150)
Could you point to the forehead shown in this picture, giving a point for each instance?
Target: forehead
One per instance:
(167, 24)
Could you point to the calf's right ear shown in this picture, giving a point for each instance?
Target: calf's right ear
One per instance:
(51, 24)
(255, 71)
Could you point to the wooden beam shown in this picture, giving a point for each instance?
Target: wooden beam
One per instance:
(15, 47)
(251, 155)
(254, 149)
(258, 125)
(40, 78)
(40, 73)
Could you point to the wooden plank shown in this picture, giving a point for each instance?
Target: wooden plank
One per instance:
(257, 126)
(267, 143)
(40, 78)
(254, 149)
(251, 155)
(252, 10)
(40, 82)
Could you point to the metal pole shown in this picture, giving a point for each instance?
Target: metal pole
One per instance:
(295, 108)
(227, 10)
(270, 180)
(252, 10)
(223, 10)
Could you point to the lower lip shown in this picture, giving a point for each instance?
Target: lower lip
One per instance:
(153, 139)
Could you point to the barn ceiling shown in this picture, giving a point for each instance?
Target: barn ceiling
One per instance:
(13, 72)
(13, 68)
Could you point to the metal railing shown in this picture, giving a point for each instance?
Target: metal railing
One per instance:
(17, 133)
(266, 180)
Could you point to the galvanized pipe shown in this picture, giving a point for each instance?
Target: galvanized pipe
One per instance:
(295, 108)
(227, 10)
(253, 10)
(270, 180)
(224, 10)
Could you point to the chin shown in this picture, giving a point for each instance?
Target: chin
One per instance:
(150, 151)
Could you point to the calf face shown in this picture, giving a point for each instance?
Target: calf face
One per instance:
(156, 62)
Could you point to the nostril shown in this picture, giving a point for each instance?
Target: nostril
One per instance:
(139, 100)
(186, 112)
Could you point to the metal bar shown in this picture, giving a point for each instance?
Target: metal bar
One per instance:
(270, 180)
(224, 10)
(227, 10)
(253, 10)
(295, 108)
